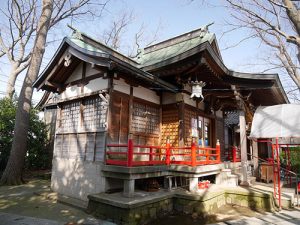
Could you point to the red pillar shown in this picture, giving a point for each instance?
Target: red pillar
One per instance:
(151, 154)
(130, 152)
(278, 172)
(168, 151)
(289, 165)
(234, 153)
(193, 153)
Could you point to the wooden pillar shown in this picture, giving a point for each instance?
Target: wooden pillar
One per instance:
(243, 144)
(255, 157)
(181, 128)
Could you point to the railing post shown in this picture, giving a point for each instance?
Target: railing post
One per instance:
(130, 152)
(168, 151)
(193, 153)
(218, 151)
(150, 155)
(234, 153)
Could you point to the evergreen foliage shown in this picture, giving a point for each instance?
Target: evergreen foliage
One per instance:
(37, 156)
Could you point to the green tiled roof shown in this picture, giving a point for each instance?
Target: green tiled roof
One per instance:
(146, 58)
(155, 53)
(85, 45)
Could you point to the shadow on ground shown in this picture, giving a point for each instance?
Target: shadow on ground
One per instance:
(32, 199)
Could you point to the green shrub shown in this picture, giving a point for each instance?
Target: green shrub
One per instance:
(37, 156)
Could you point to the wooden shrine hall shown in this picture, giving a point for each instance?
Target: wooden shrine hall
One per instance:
(175, 110)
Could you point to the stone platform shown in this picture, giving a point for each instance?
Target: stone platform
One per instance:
(144, 207)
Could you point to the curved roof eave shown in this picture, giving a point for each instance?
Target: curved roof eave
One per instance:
(190, 52)
(66, 41)
(62, 47)
(143, 74)
(258, 76)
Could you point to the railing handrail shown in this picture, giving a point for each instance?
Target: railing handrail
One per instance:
(208, 155)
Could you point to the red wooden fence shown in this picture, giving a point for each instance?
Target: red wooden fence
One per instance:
(233, 154)
(145, 155)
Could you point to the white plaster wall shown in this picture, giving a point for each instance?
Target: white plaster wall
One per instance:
(146, 94)
(95, 85)
(76, 75)
(90, 71)
(70, 92)
(121, 86)
(76, 178)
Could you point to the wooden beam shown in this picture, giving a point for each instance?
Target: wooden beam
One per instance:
(130, 110)
(83, 75)
(181, 128)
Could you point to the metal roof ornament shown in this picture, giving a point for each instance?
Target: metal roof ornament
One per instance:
(68, 59)
(77, 35)
(197, 90)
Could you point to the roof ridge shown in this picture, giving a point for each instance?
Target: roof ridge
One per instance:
(79, 34)
(200, 32)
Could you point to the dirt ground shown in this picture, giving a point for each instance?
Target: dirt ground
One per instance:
(30, 200)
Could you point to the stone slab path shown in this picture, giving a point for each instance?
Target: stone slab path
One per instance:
(284, 217)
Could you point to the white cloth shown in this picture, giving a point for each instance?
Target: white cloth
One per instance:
(282, 121)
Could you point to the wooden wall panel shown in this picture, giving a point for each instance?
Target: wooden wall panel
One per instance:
(169, 125)
(100, 147)
(118, 128)
(189, 114)
(58, 145)
(81, 143)
(73, 149)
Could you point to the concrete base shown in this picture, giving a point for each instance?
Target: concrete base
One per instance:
(128, 188)
(225, 178)
(193, 185)
(76, 178)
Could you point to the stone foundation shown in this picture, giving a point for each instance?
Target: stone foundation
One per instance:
(143, 210)
(131, 216)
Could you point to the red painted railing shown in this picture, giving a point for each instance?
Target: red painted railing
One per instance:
(143, 155)
(233, 154)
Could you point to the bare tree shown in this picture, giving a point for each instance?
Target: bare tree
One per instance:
(13, 171)
(276, 23)
(19, 27)
(114, 35)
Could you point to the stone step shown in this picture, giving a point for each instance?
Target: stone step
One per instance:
(226, 178)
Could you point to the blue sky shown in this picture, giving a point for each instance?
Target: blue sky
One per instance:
(176, 17)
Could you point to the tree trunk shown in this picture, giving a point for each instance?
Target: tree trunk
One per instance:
(10, 87)
(13, 172)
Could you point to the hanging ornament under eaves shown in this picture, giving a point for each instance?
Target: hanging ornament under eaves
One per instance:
(197, 90)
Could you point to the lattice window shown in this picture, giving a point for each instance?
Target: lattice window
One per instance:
(94, 114)
(70, 116)
(145, 119)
